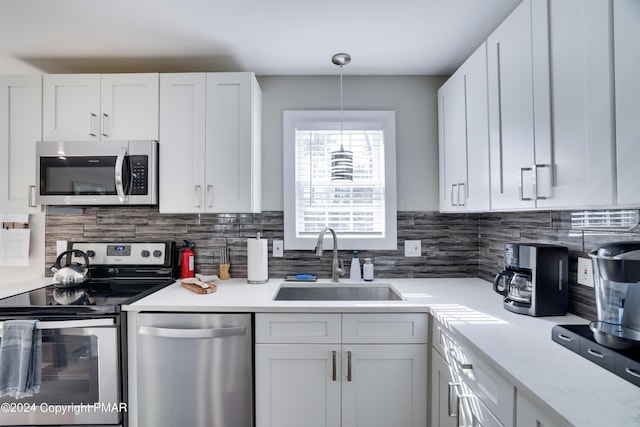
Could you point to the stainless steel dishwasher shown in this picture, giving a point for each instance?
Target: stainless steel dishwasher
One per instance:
(194, 370)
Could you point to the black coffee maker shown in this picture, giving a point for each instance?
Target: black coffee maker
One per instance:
(535, 279)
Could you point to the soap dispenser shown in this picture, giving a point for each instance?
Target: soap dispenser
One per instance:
(355, 268)
(367, 268)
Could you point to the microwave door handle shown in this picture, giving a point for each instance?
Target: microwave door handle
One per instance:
(118, 176)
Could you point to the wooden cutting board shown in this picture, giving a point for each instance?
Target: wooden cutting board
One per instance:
(198, 289)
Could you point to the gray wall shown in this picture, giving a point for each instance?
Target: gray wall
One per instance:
(413, 98)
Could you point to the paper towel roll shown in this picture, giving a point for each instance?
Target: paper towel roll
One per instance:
(257, 260)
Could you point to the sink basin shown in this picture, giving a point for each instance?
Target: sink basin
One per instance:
(337, 292)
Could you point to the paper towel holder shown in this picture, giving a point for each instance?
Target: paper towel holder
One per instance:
(257, 261)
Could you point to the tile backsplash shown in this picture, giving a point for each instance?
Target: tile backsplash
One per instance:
(453, 245)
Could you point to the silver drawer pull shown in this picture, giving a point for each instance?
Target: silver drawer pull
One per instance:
(633, 372)
(595, 353)
(565, 338)
(461, 365)
(192, 333)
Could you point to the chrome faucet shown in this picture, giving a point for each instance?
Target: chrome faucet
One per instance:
(336, 271)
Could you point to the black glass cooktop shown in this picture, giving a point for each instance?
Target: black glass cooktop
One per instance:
(104, 297)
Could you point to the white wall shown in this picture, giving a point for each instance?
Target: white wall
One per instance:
(414, 99)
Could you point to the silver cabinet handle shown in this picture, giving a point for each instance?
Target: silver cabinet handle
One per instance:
(105, 122)
(334, 375)
(464, 193)
(565, 338)
(92, 118)
(596, 353)
(31, 203)
(196, 196)
(348, 366)
(633, 372)
(458, 191)
(118, 175)
(192, 333)
(461, 365)
(450, 389)
(209, 195)
(520, 183)
(458, 411)
(535, 181)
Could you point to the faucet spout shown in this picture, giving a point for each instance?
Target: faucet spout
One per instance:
(337, 269)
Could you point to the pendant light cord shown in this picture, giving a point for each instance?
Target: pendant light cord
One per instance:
(341, 114)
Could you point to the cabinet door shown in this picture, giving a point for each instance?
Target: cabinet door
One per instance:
(129, 106)
(581, 99)
(182, 142)
(529, 414)
(71, 107)
(511, 110)
(296, 385)
(20, 128)
(626, 17)
(453, 143)
(231, 159)
(476, 192)
(443, 403)
(384, 385)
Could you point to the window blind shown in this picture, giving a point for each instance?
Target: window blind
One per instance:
(350, 207)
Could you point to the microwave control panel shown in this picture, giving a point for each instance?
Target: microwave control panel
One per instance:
(139, 175)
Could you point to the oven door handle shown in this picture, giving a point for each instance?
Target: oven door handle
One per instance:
(192, 333)
(66, 324)
(118, 175)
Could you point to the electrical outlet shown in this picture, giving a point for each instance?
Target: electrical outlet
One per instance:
(412, 248)
(61, 246)
(585, 272)
(278, 250)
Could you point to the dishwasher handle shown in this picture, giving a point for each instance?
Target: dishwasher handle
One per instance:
(192, 333)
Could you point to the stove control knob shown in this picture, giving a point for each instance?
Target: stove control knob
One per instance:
(91, 253)
(157, 253)
(144, 253)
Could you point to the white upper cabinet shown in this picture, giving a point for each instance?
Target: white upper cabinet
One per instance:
(626, 16)
(84, 107)
(20, 128)
(210, 134)
(581, 105)
(550, 106)
(463, 137)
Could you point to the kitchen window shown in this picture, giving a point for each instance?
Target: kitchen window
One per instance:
(361, 210)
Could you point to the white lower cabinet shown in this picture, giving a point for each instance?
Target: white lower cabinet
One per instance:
(466, 390)
(330, 370)
(528, 414)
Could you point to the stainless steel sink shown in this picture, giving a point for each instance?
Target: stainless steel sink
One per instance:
(337, 292)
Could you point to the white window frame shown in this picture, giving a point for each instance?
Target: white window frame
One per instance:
(384, 120)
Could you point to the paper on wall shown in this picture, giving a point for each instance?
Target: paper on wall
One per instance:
(14, 240)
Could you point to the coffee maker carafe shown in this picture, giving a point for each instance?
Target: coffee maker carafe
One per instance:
(534, 280)
(616, 273)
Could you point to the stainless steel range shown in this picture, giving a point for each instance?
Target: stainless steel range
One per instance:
(83, 369)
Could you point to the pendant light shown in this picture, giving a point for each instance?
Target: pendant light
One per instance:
(341, 160)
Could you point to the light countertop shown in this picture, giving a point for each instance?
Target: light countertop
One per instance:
(518, 346)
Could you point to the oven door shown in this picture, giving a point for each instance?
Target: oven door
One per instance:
(80, 377)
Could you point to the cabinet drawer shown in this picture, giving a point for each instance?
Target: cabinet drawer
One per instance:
(483, 381)
(387, 328)
(298, 328)
(597, 354)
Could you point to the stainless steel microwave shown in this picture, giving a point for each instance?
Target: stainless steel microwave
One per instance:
(97, 172)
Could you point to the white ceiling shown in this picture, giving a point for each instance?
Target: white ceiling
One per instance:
(269, 37)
